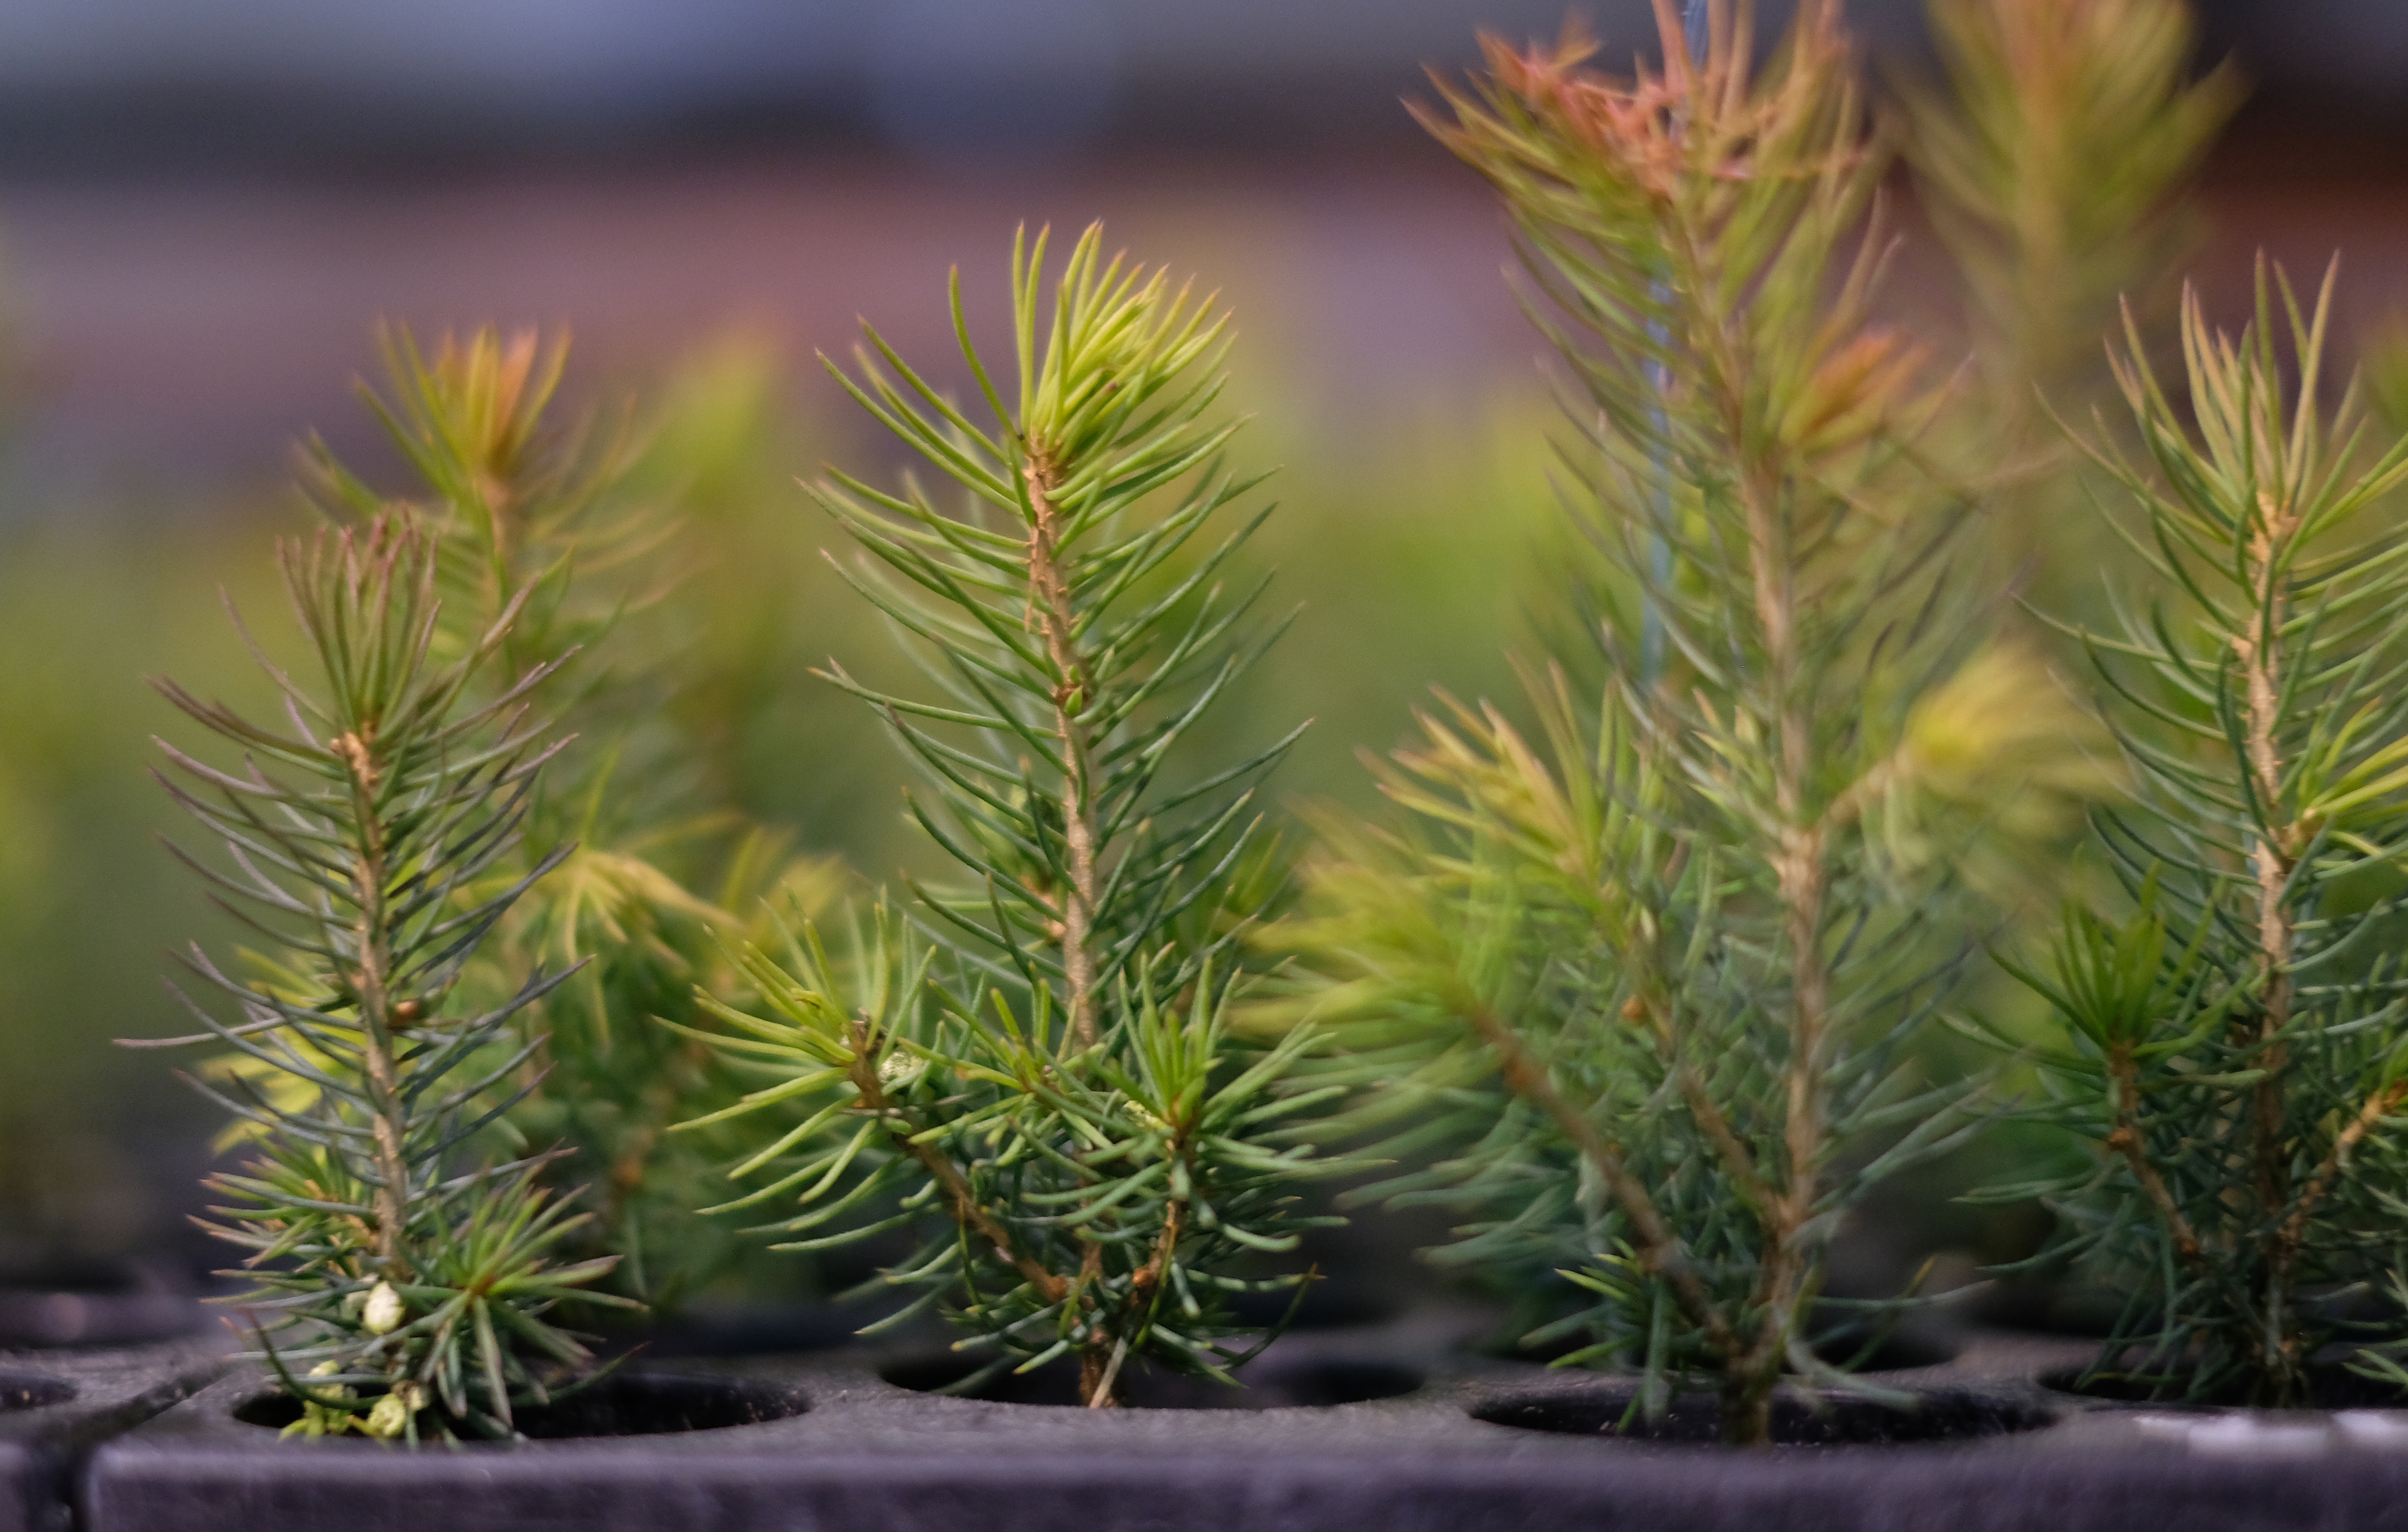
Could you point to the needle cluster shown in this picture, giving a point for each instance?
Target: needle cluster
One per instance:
(540, 520)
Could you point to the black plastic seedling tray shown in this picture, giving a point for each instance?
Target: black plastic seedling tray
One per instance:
(1458, 1443)
(56, 1405)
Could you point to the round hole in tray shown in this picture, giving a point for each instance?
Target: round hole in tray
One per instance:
(1324, 1381)
(1940, 1415)
(33, 1391)
(1328, 1305)
(1898, 1352)
(2331, 1386)
(622, 1405)
(731, 1330)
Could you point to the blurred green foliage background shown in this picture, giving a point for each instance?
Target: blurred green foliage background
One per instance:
(1416, 551)
(170, 338)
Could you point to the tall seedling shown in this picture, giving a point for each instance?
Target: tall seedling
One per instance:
(2239, 1040)
(1646, 977)
(414, 1271)
(1066, 1096)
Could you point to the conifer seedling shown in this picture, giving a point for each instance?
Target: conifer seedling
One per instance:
(403, 1273)
(2058, 167)
(2237, 1046)
(1643, 982)
(1039, 1062)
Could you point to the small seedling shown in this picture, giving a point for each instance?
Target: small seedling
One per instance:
(1644, 983)
(402, 1276)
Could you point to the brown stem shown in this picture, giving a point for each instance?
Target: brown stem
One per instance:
(1800, 879)
(2295, 1227)
(959, 1199)
(1747, 1412)
(2279, 1379)
(2277, 851)
(1799, 862)
(1049, 604)
(1165, 1244)
(1660, 1251)
(1097, 1372)
(1095, 1387)
(2125, 1139)
(378, 1008)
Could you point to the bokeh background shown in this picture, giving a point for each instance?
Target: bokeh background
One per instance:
(204, 212)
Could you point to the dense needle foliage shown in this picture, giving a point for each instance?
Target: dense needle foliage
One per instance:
(2054, 167)
(1045, 1067)
(2238, 1040)
(388, 1249)
(1643, 979)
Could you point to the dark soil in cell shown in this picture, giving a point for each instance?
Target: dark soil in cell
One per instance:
(622, 1405)
(1320, 1381)
(1940, 1415)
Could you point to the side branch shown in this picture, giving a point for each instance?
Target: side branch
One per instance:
(1738, 1162)
(1660, 1247)
(2126, 1140)
(2295, 1227)
(948, 1176)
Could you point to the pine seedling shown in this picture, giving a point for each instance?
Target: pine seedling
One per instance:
(2237, 1046)
(1063, 1093)
(1642, 980)
(2058, 166)
(540, 520)
(412, 1273)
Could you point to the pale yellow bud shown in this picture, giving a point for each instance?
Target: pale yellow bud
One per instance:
(389, 1418)
(383, 1313)
(390, 1414)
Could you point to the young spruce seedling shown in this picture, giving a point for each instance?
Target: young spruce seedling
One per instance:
(1045, 1065)
(1644, 983)
(2238, 1038)
(412, 1271)
(537, 518)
